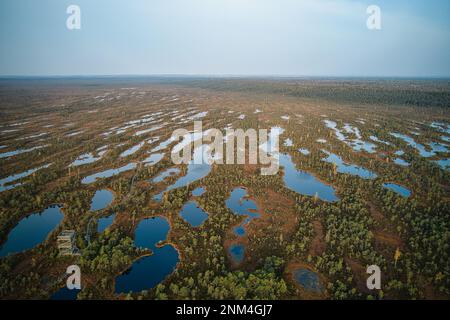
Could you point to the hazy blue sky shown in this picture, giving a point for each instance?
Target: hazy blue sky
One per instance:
(240, 37)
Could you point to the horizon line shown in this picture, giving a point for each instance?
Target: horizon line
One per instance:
(200, 75)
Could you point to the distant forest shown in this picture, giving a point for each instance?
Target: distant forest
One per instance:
(414, 93)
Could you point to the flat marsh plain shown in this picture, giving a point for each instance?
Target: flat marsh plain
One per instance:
(64, 139)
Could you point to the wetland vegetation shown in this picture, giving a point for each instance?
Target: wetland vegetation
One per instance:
(363, 180)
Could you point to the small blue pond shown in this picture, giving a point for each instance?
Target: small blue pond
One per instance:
(397, 189)
(193, 214)
(101, 199)
(309, 280)
(237, 253)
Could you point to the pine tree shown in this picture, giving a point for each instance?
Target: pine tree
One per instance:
(397, 256)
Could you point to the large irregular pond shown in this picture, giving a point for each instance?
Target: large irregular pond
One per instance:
(434, 146)
(148, 271)
(343, 167)
(101, 199)
(193, 214)
(298, 181)
(356, 143)
(404, 192)
(243, 207)
(240, 205)
(305, 183)
(32, 230)
(197, 169)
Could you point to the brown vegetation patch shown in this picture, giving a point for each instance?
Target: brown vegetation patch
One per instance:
(389, 239)
(359, 275)
(375, 213)
(318, 244)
